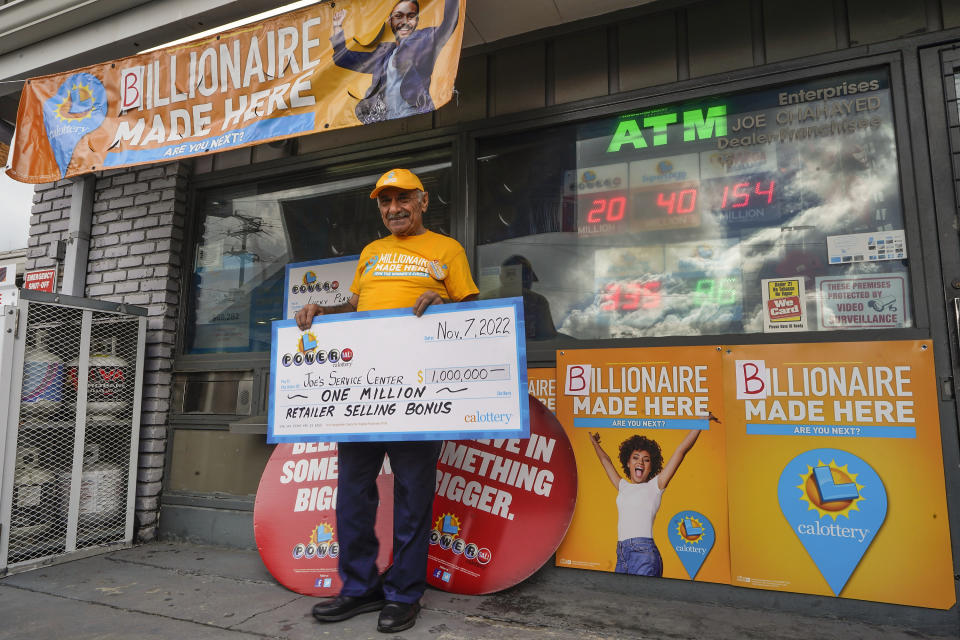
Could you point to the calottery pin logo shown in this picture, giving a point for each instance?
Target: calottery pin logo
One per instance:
(445, 530)
(307, 342)
(692, 536)
(437, 269)
(835, 503)
(78, 107)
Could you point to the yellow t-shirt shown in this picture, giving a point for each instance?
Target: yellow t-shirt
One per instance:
(393, 272)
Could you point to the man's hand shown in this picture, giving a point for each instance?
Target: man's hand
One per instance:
(306, 314)
(338, 20)
(426, 299)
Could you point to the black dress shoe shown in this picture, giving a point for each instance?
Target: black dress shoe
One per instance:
(398, 616)
(343, 607)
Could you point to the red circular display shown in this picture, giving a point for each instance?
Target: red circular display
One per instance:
(502, 507)
(295, 523)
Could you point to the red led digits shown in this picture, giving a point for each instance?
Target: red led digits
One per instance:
(683, 201)
(611, 208)
(741, 194)
(631, 296)
(768, 192)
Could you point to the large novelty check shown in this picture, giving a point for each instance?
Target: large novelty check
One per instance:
(458, 372)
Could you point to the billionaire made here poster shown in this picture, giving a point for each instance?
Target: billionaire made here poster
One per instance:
(647, 429)
(836, 471)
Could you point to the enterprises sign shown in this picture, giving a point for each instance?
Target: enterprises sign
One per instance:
(306, 71)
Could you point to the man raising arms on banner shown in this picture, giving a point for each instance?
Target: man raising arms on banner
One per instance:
(401, 70)
(435, 270)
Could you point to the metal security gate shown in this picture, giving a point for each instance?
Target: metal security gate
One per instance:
(71, 372)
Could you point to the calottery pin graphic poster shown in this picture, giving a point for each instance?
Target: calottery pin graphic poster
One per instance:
(835, 471)
(648, 432)
(316, 69)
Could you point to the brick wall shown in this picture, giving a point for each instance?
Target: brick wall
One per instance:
(49, 221)
(135, 247)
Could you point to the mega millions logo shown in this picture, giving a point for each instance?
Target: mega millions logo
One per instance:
(319, 544)
(446, 534)
(835, 503)
(78, 107)
(736, 162)
(309, 352)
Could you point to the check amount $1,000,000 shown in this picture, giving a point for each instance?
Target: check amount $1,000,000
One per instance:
(463, 374)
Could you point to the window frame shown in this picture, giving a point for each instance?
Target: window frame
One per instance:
(539, 354)
(463, 139)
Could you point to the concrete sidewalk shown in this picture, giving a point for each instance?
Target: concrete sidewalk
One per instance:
(184, 591)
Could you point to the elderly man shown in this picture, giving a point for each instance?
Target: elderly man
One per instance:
(438, 271)
(402, 69)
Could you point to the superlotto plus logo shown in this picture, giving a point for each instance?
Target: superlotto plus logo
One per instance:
(835, 503)
(309, 352)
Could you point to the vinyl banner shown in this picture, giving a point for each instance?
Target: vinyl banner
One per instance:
(836, 471)
(457, 372)
(647, 429)
(323, 67)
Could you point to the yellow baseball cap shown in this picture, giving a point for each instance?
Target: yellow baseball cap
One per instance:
(399, 178)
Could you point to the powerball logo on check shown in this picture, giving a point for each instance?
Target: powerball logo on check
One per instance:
(309, 352)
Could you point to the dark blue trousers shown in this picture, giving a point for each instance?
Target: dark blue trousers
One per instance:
(414, 466)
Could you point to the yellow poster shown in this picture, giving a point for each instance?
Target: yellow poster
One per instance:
(835, 471)
(323, 67)
(647, 429)
(542, 385)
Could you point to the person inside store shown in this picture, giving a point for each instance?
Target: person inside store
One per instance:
(538, 321)
(401, 69)
(442, 275)
(638, 497)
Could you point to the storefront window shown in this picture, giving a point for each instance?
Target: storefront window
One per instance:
(774, 210)
(249, 233)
